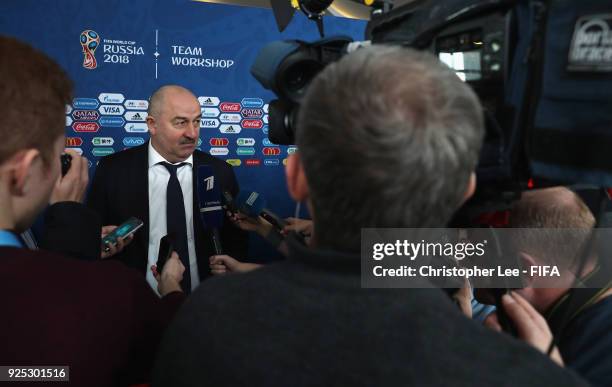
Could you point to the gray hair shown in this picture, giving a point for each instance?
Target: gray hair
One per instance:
(389, 137)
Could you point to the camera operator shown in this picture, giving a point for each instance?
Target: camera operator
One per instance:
(387, 137)
(565, 223)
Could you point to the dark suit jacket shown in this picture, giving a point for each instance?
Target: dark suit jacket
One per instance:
(120, 189)
(99, 318)
(72, 230)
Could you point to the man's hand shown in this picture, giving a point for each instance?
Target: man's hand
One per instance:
(223, 264)
(246, 223)
(71, 188)
(303, 226)
(171, 276)
(531, 326)
(463, 298)
(114, 248)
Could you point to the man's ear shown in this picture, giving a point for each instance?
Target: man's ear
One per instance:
(471, 187)
(526, 261)
(296, 178)
(151, 125)
(20, 168)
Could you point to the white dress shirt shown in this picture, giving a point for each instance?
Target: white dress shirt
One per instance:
(158, 184)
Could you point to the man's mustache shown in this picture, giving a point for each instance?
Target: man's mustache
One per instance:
(186, 141)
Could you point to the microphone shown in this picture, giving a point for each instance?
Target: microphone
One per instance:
(209, 202)
(253, 204)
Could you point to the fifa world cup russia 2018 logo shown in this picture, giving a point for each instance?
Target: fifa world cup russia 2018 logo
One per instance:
(90, 40)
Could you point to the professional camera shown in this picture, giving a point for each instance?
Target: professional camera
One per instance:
(542, 69)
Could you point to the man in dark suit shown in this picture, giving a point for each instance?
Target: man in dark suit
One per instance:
(144, 182)
(101, 319)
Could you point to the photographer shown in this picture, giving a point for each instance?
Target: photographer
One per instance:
(552, 225)
(387, 137)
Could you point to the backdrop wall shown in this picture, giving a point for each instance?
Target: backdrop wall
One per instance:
(143, 44)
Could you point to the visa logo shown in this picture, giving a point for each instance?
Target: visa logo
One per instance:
(113, 110)
(210, 123)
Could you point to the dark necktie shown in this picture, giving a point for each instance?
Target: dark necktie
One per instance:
(176, 222)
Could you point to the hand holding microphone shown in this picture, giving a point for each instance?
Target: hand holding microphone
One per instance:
(209, 200)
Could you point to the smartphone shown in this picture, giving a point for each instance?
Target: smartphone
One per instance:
(126, 229)
(66, 160)
(165, 250)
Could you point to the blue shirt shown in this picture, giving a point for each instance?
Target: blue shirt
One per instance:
(7, 238)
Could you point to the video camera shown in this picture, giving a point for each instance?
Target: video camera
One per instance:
(542, 70)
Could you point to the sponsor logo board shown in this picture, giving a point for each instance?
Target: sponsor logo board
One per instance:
(133, 141)
(136, 127)
(230, 129)
(112, 110)
(85, 115)
(85, 127)
(111, 121)
(230, 107)
(85, 103)
(208, 101)
(103, 141)
(252, 124)
(111, 98)
(252, 102)
(218, 151)
(135, 116)
(136, 104)
(100, 152)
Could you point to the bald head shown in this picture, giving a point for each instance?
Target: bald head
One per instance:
(162, 95)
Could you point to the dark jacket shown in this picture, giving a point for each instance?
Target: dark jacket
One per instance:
(99, 318)
(308, 322)
(120, 189)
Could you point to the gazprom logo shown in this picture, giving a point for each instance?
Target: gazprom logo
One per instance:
(252, 102)
(85, 103)
(133, 141)
(136, 127)
(111, 98)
